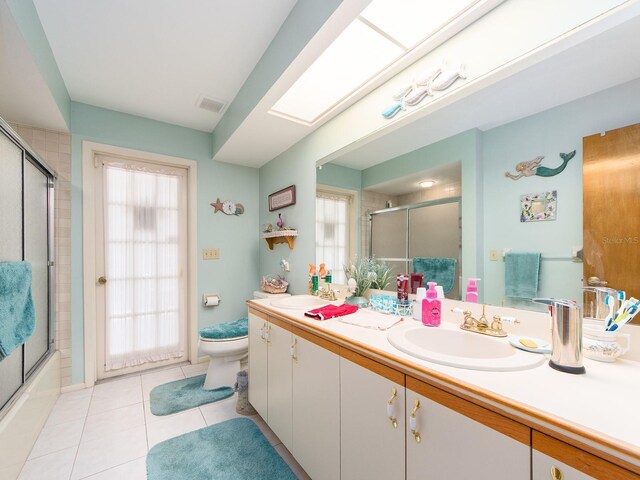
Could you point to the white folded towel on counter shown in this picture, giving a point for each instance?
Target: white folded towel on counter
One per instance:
(375, 320)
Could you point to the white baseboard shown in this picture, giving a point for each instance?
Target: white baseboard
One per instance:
(73, 388)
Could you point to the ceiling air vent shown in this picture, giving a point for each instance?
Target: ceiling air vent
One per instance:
(211, 104)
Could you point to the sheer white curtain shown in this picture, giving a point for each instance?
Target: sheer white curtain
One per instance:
(145, 249)
(332, 232)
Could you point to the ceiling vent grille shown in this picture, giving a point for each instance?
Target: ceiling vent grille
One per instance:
(211, 104)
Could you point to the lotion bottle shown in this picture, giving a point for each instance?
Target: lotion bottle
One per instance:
(421, 294)
(431, 307)
(472, 290)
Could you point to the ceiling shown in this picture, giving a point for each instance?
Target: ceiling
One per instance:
(24, 97)
(155, 58)
(602, 62)
(447, 174)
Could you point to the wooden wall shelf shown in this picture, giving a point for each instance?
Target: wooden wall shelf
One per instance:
(280, 236)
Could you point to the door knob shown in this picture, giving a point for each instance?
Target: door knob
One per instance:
(102, 280)
(596, 282)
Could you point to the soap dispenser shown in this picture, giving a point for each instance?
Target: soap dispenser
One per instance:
(472, 290)
(566, 335)
(431, 307)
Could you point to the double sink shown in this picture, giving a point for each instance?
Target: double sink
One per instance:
(446, 345)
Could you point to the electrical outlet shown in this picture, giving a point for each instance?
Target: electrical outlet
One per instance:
(210, 253)
(493, 255)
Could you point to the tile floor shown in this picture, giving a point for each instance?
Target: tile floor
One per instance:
(105, 432)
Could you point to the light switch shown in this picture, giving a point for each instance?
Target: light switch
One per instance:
(210, 253)
(493, 255)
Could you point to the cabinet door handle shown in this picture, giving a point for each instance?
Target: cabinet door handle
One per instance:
(556, 473)
(392, 417)
(267, 333)
(413, 421)
(292, 350)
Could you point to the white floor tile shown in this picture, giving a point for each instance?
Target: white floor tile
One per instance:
(266, 430)
(295, 466)
(54, 438)
(68, 408)
(174, 425)
(151, 380)
(195, 370)
(151, 418)
(109, 451)
(220, 411)
(134, 470)
(117, 394)
(113, 421)
(56, 465)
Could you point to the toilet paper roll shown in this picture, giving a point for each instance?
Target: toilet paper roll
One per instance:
(211, 300)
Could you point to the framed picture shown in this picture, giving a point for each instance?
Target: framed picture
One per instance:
(536, 207)
(282, 198)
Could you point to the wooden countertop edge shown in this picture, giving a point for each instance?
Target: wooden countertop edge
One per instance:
(535, 419)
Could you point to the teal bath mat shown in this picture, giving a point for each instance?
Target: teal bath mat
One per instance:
(235, 449)
(183, 394)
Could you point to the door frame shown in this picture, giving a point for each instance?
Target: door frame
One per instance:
(89, 151)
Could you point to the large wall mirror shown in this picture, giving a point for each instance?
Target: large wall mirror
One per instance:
(489, 134)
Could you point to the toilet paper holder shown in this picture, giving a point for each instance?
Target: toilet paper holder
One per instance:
(210, 299)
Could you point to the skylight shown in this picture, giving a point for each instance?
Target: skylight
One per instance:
(382, 34)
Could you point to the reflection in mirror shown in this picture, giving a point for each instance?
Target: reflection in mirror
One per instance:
(491, 202)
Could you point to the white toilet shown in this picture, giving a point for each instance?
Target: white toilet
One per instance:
(225, 353)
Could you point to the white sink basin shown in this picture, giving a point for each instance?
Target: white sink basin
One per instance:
(448, 345)
(299, 302)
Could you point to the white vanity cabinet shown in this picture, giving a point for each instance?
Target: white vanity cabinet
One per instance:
(316, 406)
(449, 437)
(372, 443)
(552, 459)
(258, 325)
(294, 384)
(270, 373)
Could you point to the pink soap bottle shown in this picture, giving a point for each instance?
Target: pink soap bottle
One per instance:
(431, 307)
(472, 290)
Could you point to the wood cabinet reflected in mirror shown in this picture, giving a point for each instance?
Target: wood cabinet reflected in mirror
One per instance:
(611, 204)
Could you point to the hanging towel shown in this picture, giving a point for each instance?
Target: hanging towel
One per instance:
(331, 311)
(17, 315)
(439, 270)
(521, 273)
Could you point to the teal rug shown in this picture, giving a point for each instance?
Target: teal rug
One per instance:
(183, 394)
(235, 449)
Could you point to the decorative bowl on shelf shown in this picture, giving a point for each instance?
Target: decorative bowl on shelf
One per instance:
(274, 284)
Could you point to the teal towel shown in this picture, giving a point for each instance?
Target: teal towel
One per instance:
(17, 315)
(439, 270)
(220, 331)
(521, 273)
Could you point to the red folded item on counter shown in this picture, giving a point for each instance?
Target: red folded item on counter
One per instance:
(331, 311)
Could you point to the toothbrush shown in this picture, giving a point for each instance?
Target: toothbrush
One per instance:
(609, 301)
(627, 318)
(624, 315)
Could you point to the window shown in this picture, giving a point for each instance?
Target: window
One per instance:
(333, 232)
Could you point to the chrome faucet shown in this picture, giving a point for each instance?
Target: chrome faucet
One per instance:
(482, 325)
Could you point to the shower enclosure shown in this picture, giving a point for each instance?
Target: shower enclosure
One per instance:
(429, 229)
(26, 234)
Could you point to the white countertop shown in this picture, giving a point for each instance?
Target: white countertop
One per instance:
(602, 400)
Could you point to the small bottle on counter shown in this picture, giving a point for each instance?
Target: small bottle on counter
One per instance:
(431, 307)
(421, 294)
(402, 286)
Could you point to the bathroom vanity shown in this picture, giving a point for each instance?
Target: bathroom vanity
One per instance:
(348, 404)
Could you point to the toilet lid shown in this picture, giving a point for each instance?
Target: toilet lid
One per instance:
(226, 330)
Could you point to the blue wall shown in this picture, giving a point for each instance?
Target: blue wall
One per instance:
(235, 275)
(560, 129)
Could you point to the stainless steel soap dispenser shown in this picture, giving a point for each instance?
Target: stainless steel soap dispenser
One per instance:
(566, 335)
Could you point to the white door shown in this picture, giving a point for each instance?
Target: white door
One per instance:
(141, 264)
(372, 425)
(279, 383)
(258, 364)
(316, 409)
